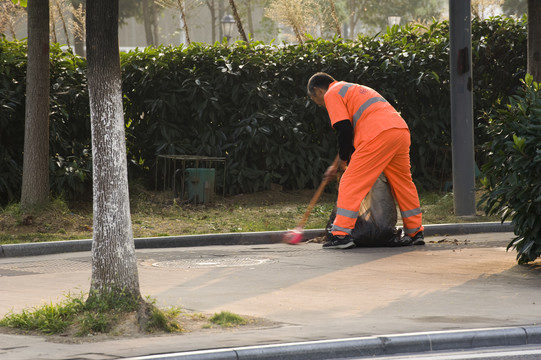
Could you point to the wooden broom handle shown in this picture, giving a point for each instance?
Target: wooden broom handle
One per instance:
(316, 196)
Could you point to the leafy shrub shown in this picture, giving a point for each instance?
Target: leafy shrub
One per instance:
(69, 132)
(513, 169)
(12, 97)
(69, 121)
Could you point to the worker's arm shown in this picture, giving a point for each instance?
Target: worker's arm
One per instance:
(345, 139)
(345, 145)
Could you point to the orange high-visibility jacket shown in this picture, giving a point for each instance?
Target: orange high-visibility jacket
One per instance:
(369, 113)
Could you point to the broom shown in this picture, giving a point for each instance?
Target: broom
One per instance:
(294, 236)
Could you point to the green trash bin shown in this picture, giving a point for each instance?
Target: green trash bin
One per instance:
(199, 184)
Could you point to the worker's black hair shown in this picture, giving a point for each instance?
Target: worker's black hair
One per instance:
(319, 80)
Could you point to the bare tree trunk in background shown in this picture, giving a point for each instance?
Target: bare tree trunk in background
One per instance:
(60, 12)
(534, 34)
(182, 8)
(155, 27)
(79, 26)
(221, 13)
(212, 9)
(149, 22)
(335, 19)
(114, 267)
(237, 20)
(10, 15)
(35, 186)
(249, 16)
(53, 25)
(298, 34)
(354, 15)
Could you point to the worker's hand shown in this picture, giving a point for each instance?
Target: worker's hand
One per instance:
(330, 173)
(332, 170)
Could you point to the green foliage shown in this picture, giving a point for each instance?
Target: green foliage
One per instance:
(249, 104)
(12, 98)
(513, 169)
(163, 320)
(97, 314)
(69, 118)
(496, 52)
(245, 103)
(114, 299)
(227, 319)
(22, 3)
(48, 318)
(69, 121)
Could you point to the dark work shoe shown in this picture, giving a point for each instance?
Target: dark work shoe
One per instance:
(339, 242)
(418, 239)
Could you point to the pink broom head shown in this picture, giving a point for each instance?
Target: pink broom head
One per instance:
(293, 237)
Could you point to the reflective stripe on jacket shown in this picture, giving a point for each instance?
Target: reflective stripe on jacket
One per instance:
(369, 113)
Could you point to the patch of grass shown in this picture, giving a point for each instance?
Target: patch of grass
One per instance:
(438, 208)
(163, 320)
(48, 318)
(158, 214)
(13, 212)
(94, 322)
(227, 319)
(99, 313)
(197, 316)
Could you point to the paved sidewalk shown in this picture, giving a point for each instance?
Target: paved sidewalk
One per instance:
(454, 282)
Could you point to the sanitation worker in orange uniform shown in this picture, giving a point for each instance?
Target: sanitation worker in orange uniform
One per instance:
(373, 138)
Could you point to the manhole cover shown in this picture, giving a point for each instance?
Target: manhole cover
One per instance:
(210, 262)
(44, 267)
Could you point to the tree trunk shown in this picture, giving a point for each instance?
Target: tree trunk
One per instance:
(78, 34)
(147, 22)
(114, 266)
(155, 27)
(182, 8)
(534, 34)
(249, 10)
(237, 19)
(60, 12)
(351, 18)
(212, 9)
(35, 186)
(335, 19)
(221, 13)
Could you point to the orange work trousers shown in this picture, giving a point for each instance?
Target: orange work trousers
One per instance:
(388, 152)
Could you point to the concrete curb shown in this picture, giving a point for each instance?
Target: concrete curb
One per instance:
(369, 346)
(246, 238)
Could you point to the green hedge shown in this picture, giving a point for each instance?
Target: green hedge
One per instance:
(69, 122)
(12, 97)
(248, 103)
